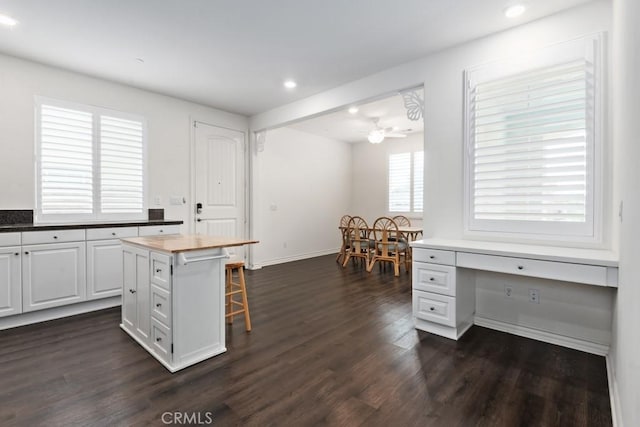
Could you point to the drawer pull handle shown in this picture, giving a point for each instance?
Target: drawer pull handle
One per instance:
(26, 253)
(158, 270)
(132, 291)
(55, 237)
(520, 267)
(158, 339)
(158, 305)
(161, 231)
(432, 257)
(431, 279)
(17, 253)
(432, 308)
(113, 234)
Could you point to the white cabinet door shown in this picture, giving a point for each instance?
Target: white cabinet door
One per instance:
(136, 312)
(53, 275)
(104, 268)
(10, 281)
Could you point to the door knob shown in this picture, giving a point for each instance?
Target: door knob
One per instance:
(198, 208)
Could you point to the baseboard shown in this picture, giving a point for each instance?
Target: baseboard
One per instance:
(58, 312)
(614, 396)
(298, 257)
(536, 334)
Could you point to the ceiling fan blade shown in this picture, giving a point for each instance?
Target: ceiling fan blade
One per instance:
(395, 135)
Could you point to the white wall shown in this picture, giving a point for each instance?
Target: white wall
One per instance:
(167, 120)
(302, 185)
(562, 308)
(625, 353)
(369, 176)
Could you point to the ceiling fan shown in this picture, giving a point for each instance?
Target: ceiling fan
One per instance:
(378, 134)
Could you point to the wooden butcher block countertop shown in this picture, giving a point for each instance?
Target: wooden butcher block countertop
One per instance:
(174, 243)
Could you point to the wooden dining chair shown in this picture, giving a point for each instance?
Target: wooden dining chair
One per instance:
(344, 224)
(401, 220)
(388, 247)
(359, 242)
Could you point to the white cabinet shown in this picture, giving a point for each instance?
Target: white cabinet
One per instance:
(10, 281)
(443, 301)
(156, 230)
(173, 304)
(104, 261)
(136, 318)
(53, 275)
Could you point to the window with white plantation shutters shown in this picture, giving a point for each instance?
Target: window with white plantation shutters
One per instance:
(66, 161)
(90, 163)
(405, 182)
(531, 149)
(121, 165)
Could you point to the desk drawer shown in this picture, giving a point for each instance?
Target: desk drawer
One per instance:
(434, 256)
(111, 233)
(436, 278)
(579, 273)
(52, 236)
(434, 308)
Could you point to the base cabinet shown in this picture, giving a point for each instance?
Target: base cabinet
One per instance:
(53, 275)
(443, 301)
(174, 310)
(135, 293)
(104, 269)
(10, 281)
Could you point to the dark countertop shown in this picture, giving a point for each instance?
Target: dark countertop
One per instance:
(8, 228)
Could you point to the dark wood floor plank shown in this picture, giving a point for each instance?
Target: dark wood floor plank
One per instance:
(330, 346)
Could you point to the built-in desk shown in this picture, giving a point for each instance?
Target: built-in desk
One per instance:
(444, 294)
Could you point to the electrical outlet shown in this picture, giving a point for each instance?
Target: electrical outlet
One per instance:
(508, 291)
(534, 296)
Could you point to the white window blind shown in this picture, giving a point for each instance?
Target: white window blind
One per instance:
(531, 143)
(405, 182)
(121, 165)
(66, 161)
(90, 163)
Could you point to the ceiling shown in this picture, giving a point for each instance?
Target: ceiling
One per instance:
(345, 126)
(235, 54)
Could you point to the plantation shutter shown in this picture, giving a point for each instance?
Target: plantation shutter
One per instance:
(400, 182)
(418, 184)
(532, 143)
(121, 165)
(66, 161)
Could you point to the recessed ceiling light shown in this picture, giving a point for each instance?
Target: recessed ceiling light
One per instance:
(7, 20)
(290, 84)
(514, 10)
(353, 110)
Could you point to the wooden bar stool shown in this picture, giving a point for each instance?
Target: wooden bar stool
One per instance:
(234, 288)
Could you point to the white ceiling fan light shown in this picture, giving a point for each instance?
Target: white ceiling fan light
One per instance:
(378, 134)
(7, 20)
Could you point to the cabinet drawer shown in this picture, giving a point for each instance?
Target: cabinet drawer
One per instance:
(579, 273)
(161, 305)
(160, 270)
(436, 278)
(111, 233)
(154, 230)
(52, 236)
(161, 340)
(434, 256)
(9, 239)
(434, 308)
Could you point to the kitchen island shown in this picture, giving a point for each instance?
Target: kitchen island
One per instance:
(173, 296)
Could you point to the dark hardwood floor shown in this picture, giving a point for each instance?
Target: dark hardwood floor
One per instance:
(330, 346)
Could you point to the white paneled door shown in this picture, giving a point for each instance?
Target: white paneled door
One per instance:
(220, 183)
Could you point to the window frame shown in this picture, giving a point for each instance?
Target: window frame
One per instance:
(590, 232)
(97, 113)
(412, 213)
